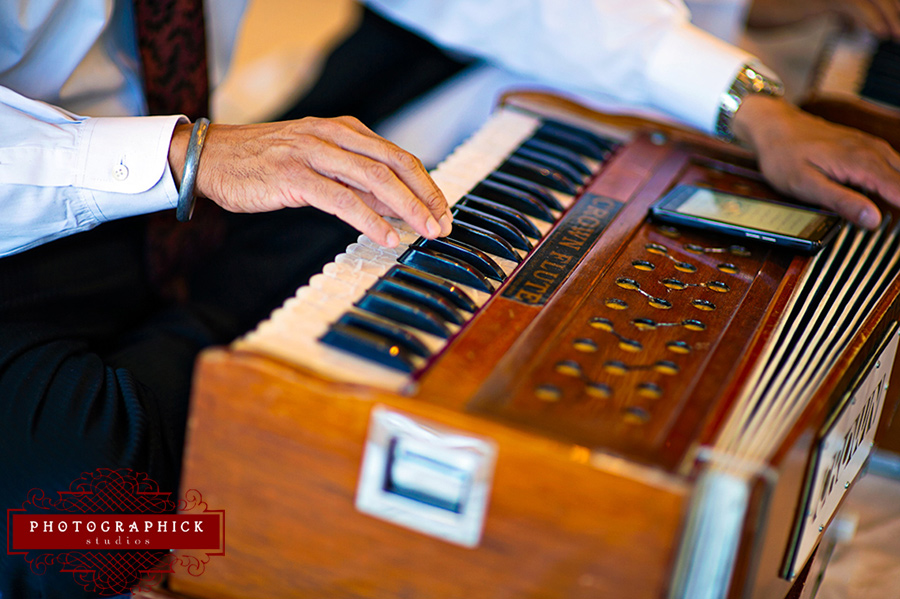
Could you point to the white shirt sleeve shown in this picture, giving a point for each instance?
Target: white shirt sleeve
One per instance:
(644, 52)
(61, 173)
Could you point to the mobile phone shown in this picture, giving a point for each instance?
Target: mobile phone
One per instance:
(789, 225)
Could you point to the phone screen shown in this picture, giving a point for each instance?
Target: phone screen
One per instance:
(751, 213)
(769, 221)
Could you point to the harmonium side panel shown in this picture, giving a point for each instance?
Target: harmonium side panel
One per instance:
(887, 439)
(280, 451)
(773, 531)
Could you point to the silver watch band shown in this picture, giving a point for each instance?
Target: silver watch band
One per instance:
(750, 79)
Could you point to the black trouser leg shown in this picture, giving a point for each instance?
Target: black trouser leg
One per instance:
(68, 404)
(95, 371)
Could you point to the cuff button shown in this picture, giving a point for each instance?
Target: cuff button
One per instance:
(120, 173)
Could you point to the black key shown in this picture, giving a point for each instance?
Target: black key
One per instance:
(533, 171)
(404, 312)
(436, 285)
(417, 295)
(512, 197)
(573, 142)
(589, 136)
(505, 213)
(572, 174)
(462, 251)
(484, 240)
(574, 159)
(387, 329)
(882, 82)
(885, 60)
(538, 192)
(445, 266)
(370, 346)
(511, 234)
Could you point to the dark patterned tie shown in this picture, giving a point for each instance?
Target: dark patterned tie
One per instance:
(172, 45)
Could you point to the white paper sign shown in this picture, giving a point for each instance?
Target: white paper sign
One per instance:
(843, 451)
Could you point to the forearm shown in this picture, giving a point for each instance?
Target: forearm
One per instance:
(758, 121)
(642, 53)
(177, 152)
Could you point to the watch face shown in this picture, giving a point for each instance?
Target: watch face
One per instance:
(761, 83)
(752, 78)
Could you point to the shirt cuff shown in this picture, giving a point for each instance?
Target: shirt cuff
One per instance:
(689, 72)
(124, 163)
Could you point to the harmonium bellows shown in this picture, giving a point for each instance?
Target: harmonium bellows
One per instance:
(561, 399)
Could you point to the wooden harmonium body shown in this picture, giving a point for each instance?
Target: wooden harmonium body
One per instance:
(623, 410)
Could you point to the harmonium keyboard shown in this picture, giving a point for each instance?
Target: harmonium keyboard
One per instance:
(856, 81)
(560, 399)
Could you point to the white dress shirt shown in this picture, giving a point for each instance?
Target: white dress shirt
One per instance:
(644, 59)
(62, 62)
(643, 52)
(61, 173)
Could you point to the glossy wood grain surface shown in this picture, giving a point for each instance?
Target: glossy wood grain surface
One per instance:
(281, 457)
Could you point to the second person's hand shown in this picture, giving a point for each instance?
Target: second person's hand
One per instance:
(817, 161)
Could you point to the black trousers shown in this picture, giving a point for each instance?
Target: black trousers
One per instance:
(95, 368)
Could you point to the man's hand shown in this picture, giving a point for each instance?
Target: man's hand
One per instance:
(336, 165)
(881, 17)
(814, 160)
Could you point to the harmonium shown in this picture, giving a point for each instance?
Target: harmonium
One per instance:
(563, 398)
(855, 80)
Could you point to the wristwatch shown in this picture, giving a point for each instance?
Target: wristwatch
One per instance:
(752, 78)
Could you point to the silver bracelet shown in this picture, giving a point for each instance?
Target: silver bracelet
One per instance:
(186, 197)
(751, 79)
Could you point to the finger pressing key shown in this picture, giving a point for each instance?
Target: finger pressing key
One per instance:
(410, 170)
(379, 179)
(344, 202)
(354, 136)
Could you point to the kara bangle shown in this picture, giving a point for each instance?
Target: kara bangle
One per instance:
(186, 197)
(749, 80)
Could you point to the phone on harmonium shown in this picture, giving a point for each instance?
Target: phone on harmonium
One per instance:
(789, 225)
